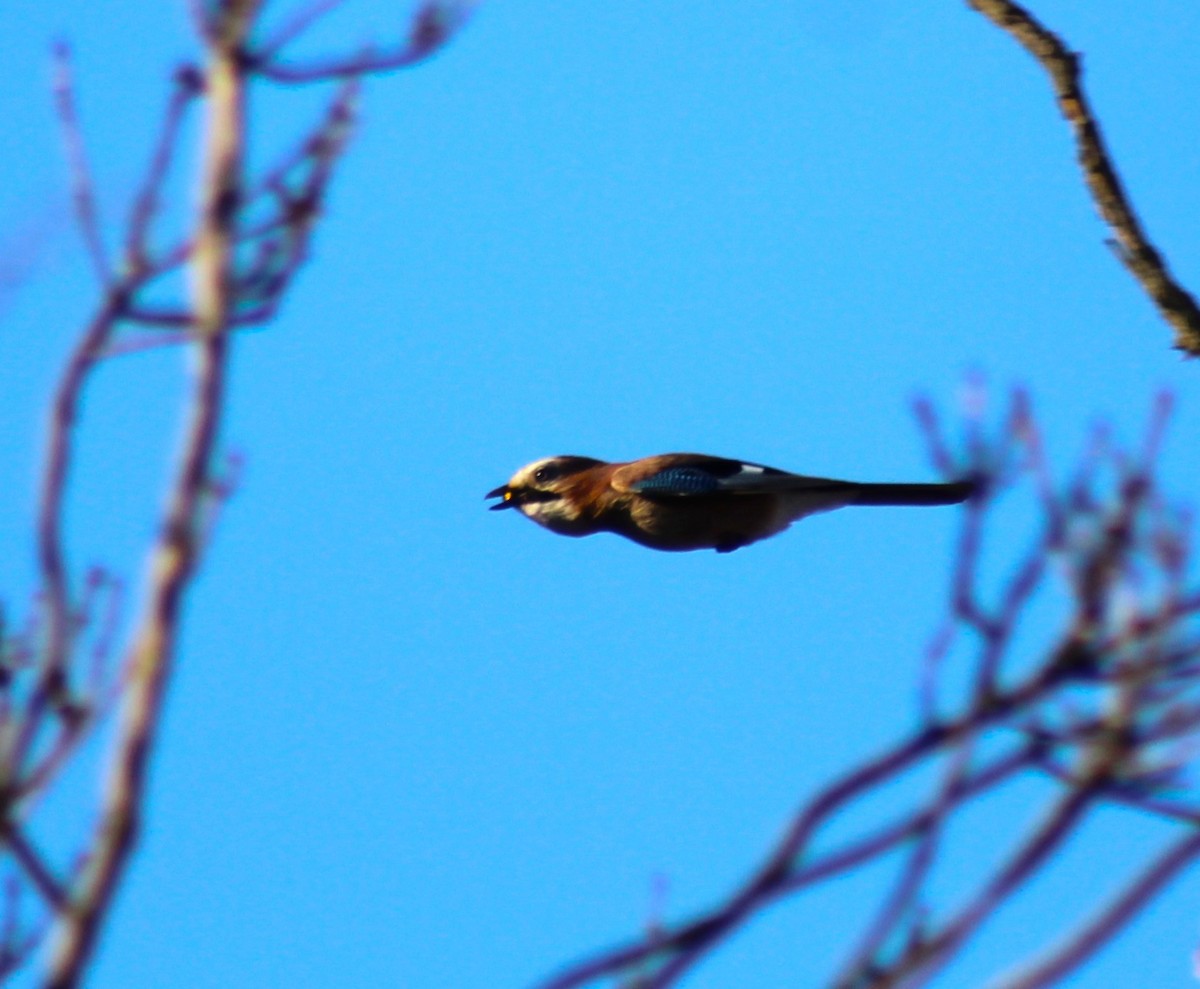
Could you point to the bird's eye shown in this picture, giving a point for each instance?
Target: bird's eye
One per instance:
(542, 474)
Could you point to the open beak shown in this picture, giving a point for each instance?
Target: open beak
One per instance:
(504, 493)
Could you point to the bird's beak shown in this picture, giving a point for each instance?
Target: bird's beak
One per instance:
(504, 493)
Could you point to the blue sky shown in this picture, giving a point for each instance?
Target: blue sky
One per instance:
(413, 743)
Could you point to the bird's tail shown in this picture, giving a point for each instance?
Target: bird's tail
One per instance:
(914, 494)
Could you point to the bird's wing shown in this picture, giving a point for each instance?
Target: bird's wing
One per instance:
(681, 475)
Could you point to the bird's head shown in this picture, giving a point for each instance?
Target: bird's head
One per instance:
(542, 491)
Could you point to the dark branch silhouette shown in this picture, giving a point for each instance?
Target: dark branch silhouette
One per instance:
(1131, 244)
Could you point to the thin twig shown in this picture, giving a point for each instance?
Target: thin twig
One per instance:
(1177, 306)
(432, 28)
(879, 842)
(935, 952)
(1098, 931)
(912, 877)
(145, 206)
(294, 27)
(15, 947)
(33, 866)
(82, 187)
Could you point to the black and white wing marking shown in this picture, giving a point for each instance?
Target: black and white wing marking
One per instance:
(712, 476)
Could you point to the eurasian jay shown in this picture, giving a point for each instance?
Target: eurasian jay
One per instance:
(684, 501)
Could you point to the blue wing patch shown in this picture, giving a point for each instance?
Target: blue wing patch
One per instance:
(678, 481)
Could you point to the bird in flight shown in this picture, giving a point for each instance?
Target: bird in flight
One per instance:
(686, 501)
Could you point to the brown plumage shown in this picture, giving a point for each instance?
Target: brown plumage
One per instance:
(686, 501)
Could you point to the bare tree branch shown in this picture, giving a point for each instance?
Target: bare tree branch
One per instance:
(51, 686)
(435, 23)
(912, 878)
(928, 956)
(175, 556)
(1099, 931)
(248, 241)
(188, 84)
(1133, 247)
(33, 865)
(295, 26)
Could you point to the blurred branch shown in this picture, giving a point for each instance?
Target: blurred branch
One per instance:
(83, 191)
(1131, 244)
(51, 686)
(1091, 715)
(33, 865)
(16, 943)
(175, 556)
(434, 24)
(188, 86)
(295, 26)
(1085, 942)
(913, 877)
(245, 246)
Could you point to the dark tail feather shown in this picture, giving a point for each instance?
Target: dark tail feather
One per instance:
(913, 494)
